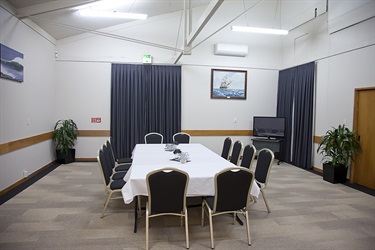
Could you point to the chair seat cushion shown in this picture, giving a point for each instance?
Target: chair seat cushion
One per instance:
(117, 184)
(119, 175)
(125, 160)
(123, 167)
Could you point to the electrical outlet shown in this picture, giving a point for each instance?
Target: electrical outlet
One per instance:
(25, 173)
(235, 120)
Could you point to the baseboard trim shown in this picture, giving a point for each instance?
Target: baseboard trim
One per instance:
(24, 183)
(86, 159)
(317, 169)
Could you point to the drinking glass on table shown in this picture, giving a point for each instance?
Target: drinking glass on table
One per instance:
(184, 157)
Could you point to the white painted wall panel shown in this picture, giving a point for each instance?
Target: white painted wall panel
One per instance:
(32, 100)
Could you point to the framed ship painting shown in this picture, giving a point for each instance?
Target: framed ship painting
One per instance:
(228, 84)
(11, 64)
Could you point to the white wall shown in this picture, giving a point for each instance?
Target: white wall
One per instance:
(27, 108)
(84, 67)
(345, 60)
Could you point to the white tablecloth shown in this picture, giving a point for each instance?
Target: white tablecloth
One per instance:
(203, 166)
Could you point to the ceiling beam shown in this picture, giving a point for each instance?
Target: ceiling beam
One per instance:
(203, 20)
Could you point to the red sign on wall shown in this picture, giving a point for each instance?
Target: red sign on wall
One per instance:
(96, 120)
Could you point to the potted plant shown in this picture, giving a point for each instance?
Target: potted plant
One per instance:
(338, 146)
(64, 135)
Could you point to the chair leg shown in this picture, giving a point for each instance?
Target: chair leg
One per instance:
(265, 201)
(147, 225)
(202, 218)
(106, 203)
(211, 229)
(248, 227)
(187, 229)
(139, 204)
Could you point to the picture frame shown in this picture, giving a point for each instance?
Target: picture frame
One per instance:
(11, 64)
(228, 84)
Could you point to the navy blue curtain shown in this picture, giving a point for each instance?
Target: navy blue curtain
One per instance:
(295, 102)
(144, 98)
(285, 93)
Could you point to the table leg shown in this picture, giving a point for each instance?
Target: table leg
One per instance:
(135, 213)
(239, 220)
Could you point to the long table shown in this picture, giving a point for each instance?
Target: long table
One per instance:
(203, 166)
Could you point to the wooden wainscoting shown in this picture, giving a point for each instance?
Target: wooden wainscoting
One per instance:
(219, 132)
(29, 141)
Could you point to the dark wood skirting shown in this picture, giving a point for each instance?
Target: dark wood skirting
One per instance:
(14, 185)
(86, 159)
(317, 169)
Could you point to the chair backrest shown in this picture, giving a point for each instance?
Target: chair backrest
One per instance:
(181, 137)
(110, 153)
(154, 138)
(227, 146)
(104, 167)
(248, 156)
(232, 188)
(167, 190)
(263, 166)
(236, 152)
(113, 148)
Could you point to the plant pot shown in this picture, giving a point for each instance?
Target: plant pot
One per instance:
(66, 158)
(335, 174)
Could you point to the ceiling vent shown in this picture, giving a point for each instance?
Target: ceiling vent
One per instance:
(231, 49)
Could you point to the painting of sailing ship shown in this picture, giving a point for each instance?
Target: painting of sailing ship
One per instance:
(11, 64)
(228, 84)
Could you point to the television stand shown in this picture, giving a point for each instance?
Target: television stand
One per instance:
(272, 144)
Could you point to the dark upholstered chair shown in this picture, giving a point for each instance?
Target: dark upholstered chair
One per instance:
(262, 171)
(248, 156)
(111, 186)
(111, 160)
(227, 146)
(232, 195)
(114, 151)
(154, 138)
(167, 196)
(181, 137)
(236, 152)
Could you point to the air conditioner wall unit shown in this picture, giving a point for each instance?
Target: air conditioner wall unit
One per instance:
(231, 49)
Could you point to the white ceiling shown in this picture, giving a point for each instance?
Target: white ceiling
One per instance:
(60, 20)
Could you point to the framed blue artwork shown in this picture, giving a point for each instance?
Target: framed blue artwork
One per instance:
(11, 64)
(228, 84)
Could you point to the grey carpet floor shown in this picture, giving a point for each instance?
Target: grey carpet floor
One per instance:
(62, 211)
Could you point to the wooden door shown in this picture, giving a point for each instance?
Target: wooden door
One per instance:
(363, 168)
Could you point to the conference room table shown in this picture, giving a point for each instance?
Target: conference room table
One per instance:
(202, 166)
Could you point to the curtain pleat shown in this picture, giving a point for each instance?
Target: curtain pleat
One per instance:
(295, 102)
(303, 116)
(144, 98)
(285, 109)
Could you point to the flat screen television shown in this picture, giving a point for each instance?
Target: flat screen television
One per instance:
(270, 127)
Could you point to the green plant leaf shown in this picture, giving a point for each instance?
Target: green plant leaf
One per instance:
(338, 146)
(65, 134)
